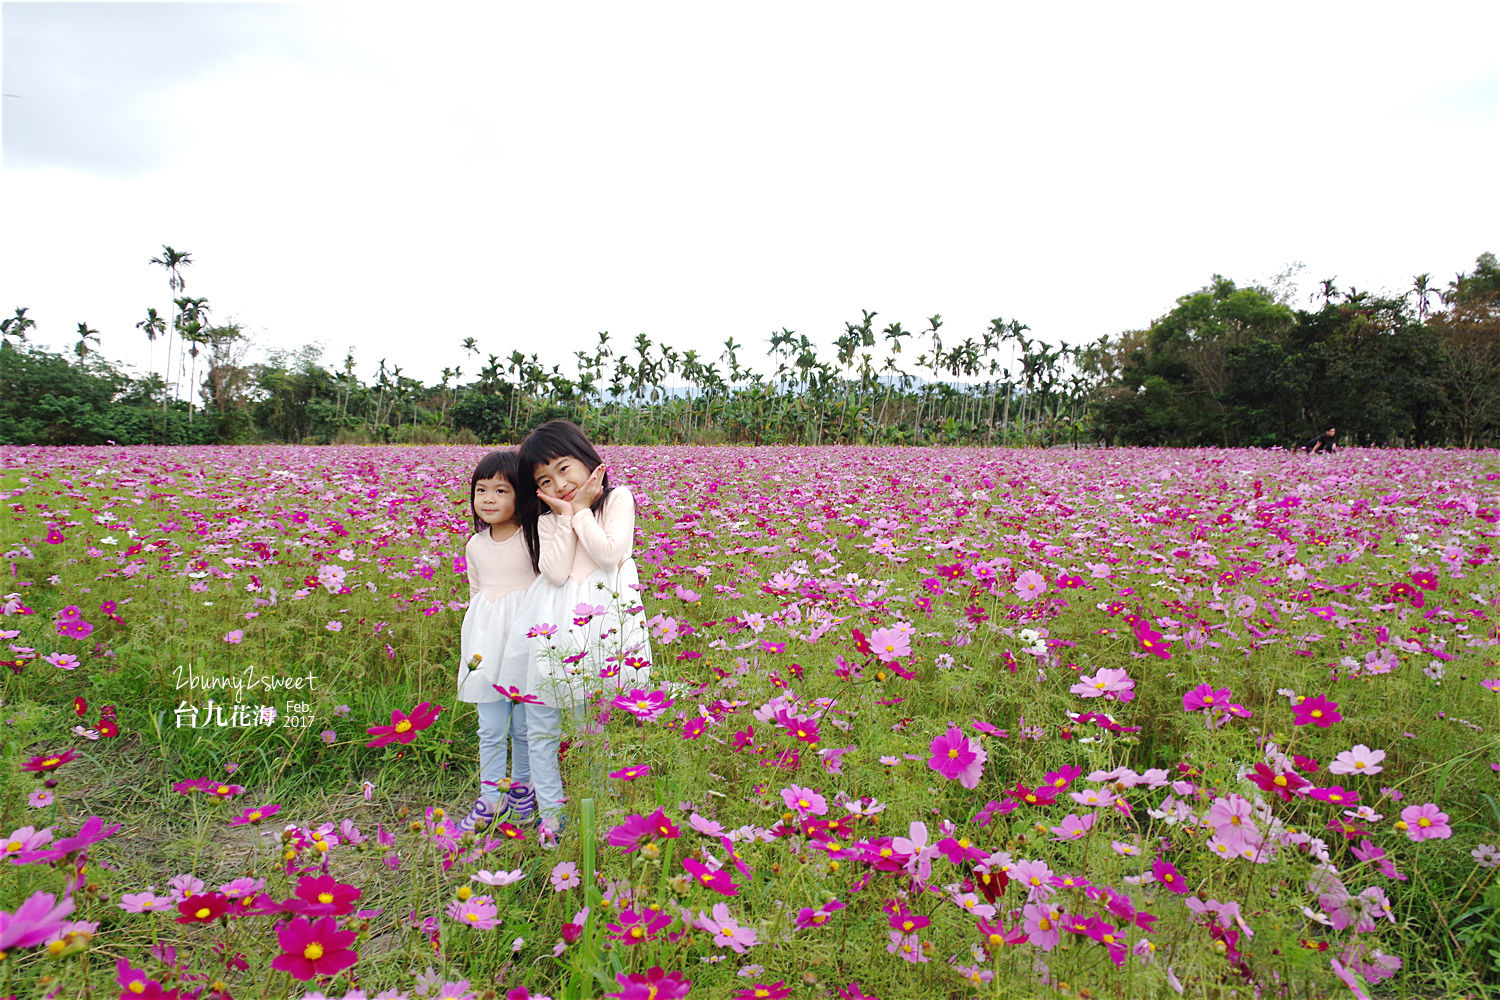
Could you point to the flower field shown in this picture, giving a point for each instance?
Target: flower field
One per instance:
(949, 722)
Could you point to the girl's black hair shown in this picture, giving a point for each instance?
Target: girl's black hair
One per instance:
(561, 439)
(507, 464)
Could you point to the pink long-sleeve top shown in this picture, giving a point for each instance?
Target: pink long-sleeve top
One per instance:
(497, 568)
(574, 545)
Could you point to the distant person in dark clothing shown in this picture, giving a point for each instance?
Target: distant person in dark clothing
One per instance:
(1322, 443)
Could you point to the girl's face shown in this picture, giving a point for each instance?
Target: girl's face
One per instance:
(495, 500)
(561, 477)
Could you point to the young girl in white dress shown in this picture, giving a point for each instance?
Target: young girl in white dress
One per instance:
(583, 628)
(501, 557)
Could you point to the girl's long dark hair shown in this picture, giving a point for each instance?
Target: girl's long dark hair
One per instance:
(561, 439)
(507, 464)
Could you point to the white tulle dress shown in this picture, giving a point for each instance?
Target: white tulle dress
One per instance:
(500, 577)
(582, 625)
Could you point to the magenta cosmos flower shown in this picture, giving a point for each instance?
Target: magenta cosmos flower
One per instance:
(48, 762)
(957, 758)
(653, 984)
(1424, 822)
(1206, 698)
(644, 705)
(324, 896)
(404, 727)
(313, 948)
(1317, 711)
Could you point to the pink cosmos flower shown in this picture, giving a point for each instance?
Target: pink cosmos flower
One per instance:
(1318, 711)
(631, 773)
(1360, 760)
(1030, 585)
(313, 948)
(234, 637)
(890, 644)
(727, 933)
(1112, 683)
(957, 758)
(1043, 924)
(1424, 822)
(565, 876)
(34, 921)
(404, 727)
(804, 801)
(478, 912)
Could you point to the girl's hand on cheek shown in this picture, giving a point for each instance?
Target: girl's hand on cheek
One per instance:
(590, 490)
(559, 506)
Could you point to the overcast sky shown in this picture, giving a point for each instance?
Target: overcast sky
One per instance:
(399, 178)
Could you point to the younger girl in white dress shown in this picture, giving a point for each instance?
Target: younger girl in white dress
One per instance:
(501, 557)
(583, 628)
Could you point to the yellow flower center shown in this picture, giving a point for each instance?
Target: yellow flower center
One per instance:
(51, 762)
(313, 952)
(1208, 699)
(1317, 713)
(804, 803)
(202, 913)
(953, 754)
(1280, 780)
(1424, 822)
(222, 789)
(325, 897)
(136, 986)
(1044, 924)
(254, 815)
(14, 845)
(471, 917)
(403, 725)
(637, 933)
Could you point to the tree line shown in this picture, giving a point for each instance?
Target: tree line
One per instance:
(1228, 365)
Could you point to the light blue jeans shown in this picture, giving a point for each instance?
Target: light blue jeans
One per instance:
(502, 722)
(544, 730)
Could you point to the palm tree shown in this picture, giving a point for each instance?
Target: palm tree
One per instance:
(84, 336)
(16, 326)
(192, 318)
(1422, 288)
(174, 261)
(153, 326)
